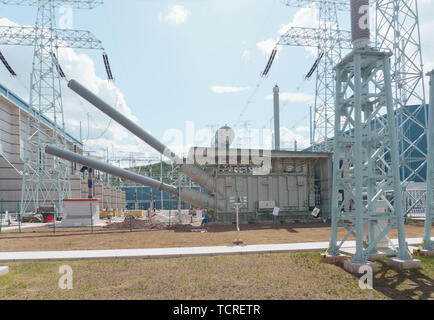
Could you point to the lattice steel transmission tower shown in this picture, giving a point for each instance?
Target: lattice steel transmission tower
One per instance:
(46, 180)
(397, 29)
(367, 186)
(330, 41)
(363, 140)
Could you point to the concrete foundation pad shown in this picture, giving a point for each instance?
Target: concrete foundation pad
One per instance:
(335, 259)
(382, 253)
(353, 267)
(399, 264)
(4, 270)
(423, 253)
(377, 256)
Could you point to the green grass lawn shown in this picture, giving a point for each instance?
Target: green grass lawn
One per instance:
(266, 276)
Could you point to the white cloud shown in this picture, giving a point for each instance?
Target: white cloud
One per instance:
(303, 129)
(177, 14)
(293, 97)
(426, 26)
(246, 56)
(303, 18)
(288, 137)
(80, 67)
(223, 89)
(267, 46)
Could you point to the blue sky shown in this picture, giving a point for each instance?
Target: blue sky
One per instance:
(167, 56)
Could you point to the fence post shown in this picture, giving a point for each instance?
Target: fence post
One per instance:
(206, 217)
(54, 219)
(307, 211)
(91, 217)
(19, 217)
(1, 216)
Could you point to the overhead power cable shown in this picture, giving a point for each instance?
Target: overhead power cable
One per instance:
(7, 66)
(108, 125)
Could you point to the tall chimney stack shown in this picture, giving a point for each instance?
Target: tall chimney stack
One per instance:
(276, 118)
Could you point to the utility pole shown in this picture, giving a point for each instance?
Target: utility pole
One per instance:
(161, 180)
(179, 197)
(237, 204)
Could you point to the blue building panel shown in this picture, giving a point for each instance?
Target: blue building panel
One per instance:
(144, 195)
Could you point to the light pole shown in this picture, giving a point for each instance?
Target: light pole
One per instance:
(238, 203)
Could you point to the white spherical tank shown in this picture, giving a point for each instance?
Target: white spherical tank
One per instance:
(224, 137)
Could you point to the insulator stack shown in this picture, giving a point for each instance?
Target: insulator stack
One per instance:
(107, 66)
(315, 66)
(58, 67)
(7, 66)
(270, 62)
(360, 23)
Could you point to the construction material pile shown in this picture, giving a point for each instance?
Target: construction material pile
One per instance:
(136, 224)
(172, 217)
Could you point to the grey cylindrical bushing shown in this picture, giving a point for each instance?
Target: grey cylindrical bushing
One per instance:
(195, 198)
(360, 23)
(196, 173)
(121, 119)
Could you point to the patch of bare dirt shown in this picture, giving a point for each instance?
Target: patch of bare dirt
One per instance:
(136, 224)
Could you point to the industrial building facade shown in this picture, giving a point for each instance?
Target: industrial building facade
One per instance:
(14, 113)
(296, 183)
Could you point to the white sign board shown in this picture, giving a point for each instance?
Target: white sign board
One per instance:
(276, 211)
(266, 204)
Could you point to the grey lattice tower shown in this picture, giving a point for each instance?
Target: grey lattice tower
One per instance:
(330, 42)
(46, 180)
(397, 29)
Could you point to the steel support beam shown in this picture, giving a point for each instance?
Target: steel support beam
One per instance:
(363, 137)
(429, 213)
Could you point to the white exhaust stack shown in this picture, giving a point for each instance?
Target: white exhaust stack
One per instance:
(360, 29)
(276, 118)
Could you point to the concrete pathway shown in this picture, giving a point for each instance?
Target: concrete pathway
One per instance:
(27, 226)
(172, 252)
